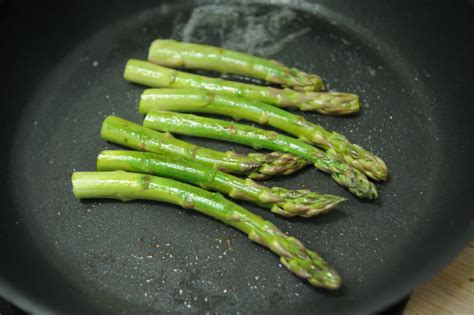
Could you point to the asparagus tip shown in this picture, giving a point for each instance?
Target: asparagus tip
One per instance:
(328, 279)
(276, 163)
(357, 183)
(303, 202)
(341, 104)
(330, 103)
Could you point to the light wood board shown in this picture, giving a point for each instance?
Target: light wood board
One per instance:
(450, 292)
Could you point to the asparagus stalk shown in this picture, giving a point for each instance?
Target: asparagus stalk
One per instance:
(171, 53)
(129, 186)
(192, 125)
(153, 75)
(335, 144)
(254, 165)
(282, 201)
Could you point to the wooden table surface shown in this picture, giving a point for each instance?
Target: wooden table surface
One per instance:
(450, 292)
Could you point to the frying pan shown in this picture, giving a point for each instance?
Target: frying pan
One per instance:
(62, 63)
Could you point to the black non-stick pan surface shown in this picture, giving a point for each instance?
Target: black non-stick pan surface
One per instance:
(61, 75)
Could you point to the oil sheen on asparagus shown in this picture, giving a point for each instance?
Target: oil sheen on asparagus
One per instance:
(153, 75)
(174, 54)
(193, 125)
(198, 101)
(129, 186)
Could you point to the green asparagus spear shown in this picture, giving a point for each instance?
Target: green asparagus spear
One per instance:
(152, 75)
(192, 125)
(129, 186)
(254, 165)
(171, 53)
(335, 144)
(288, 203)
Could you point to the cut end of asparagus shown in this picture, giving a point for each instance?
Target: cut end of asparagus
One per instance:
(76, 184)
(98, 185)
(276, 163)
(331, 103)
(303, 202)
(148, 74)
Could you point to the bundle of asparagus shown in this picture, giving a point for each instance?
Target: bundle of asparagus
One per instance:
(197, 101)
(192, 125)
(131, 174)
(253, 165)
(286, 202)
(174, 54)
(153, 75)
